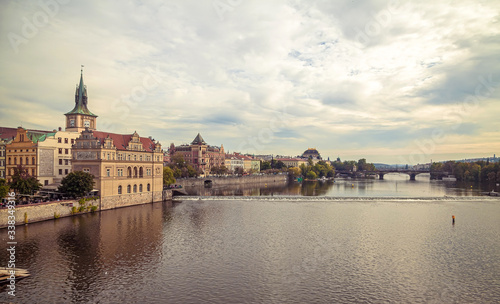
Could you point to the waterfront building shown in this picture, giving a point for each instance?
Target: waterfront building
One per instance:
(23, 150)
(201, 156)
(6, 137)
(234, 161)
(292, 162)
(126, 167)
(311, 153)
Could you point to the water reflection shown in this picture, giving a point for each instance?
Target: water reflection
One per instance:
(394, 184)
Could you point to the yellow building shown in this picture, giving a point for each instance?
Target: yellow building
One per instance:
(127, 169)
(292, 162)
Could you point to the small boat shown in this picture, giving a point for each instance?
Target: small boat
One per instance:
(5, 274)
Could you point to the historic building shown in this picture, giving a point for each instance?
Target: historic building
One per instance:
(6, 137)
(127, 168)
(312, 153)
(22, 150)
(233, 162)
(292, 162)
(200, 155)
(80, 117)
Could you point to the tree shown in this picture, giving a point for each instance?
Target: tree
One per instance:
(23, 183)
(239, 170)
(311, 175)
(265, 165)
(168, 176)
(77, 184)
(4, 188)
(279, 165)
(294, 172)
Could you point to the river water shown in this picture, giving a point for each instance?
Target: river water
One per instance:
(274, 248)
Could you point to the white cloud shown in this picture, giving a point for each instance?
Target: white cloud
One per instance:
(229, 74)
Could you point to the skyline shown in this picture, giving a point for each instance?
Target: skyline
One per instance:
(392, 82)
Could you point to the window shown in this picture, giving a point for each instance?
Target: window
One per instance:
(60, 161)
(66, 171)
(59, 140)
(128, 189)
(60, 171)
(28, 160)
(149, 187)
(86, 170)
(60, 150)
(108, 156)
(129, 172)
(65, 140)
(66, 151)
(20, 160)
(135, 157)
(66, 162)
(120, 172)
(141, 172)
(9, 161)
(108, 172)
(120, 189)
(140, 188)
(140, 158)
(46, 182)
(72, 141)
(33, 161)
(135, 188)
(15, 160)
(32, 172)
(148, 172)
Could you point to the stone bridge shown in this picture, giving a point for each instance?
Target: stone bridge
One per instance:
(381, 173)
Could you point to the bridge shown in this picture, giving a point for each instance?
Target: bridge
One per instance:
(412, 173)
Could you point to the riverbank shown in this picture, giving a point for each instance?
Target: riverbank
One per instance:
(32, 213)
(212, 181)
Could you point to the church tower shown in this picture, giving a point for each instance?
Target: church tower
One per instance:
(80, 117)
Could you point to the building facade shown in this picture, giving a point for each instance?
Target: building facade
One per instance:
(200, 155)
(22, 150)
(292, 162)
(126, 168)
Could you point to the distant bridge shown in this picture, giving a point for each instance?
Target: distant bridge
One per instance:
(382, 172)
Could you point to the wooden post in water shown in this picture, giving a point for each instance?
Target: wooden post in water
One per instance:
(453, 219)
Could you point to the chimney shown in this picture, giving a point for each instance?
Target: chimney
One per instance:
(60, 128)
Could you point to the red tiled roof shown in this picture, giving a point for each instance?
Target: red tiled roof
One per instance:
(8, 133)
(121, 140)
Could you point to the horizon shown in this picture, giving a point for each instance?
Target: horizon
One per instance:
(394, 83)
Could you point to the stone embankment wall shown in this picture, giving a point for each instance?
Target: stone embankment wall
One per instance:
(223, 181)
(51, 210)
(40, 212)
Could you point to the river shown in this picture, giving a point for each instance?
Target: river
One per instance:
(342, 244)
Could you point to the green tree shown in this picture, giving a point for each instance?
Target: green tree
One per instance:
(4, 188)
(293, 172)
(168, 176)
(23, 183)
(265, 165)
(77, 184)
(279, 165)
(311, 175)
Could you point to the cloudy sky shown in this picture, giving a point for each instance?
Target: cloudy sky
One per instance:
(392, 81)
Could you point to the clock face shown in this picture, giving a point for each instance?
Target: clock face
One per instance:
(86, 124)
(72, 123)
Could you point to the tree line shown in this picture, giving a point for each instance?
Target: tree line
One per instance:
(479, 171)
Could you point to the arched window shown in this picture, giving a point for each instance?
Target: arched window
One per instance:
(32, 161)
(141, 172)
(140, 158)
(135, 157)
(120, 189)
(15, 160)
(9, 161)
(28, 160)
(20, 160)
(128, 189)
(149, 187)
(129, 172)
(140, 188)
(135, 171)
(135, 188)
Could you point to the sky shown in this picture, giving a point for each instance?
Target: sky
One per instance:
(389, 81)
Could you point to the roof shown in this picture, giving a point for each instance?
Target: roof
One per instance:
(8, 133)
(81, 100)
(290, 159)
(39, 137)
(121, 140)
(198, 140)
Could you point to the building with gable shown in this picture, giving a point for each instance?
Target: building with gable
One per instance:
(127, 168)
(200, 155)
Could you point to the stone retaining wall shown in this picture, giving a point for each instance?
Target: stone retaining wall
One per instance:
(51, 210)
(222, 181)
